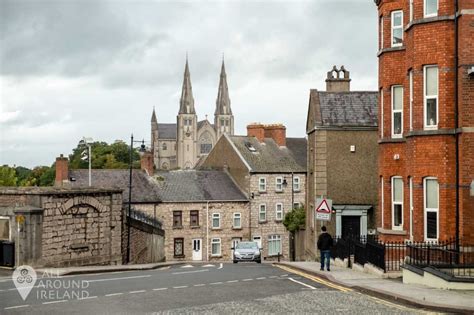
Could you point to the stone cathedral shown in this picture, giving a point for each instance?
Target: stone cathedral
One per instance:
(185, 143)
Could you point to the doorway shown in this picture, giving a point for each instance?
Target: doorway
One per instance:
(350, 226)
(197, 249)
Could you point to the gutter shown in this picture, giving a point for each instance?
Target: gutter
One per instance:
(456, 114)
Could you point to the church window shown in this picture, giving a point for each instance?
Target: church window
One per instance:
(205, 143)
(187, 147)
(164, 146)
(206, 148)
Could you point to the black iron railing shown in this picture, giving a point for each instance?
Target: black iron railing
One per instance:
(144, 217)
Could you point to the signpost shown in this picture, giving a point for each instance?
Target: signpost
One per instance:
(323, 209)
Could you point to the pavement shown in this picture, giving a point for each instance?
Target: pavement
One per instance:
(455, 301)
(213, 288)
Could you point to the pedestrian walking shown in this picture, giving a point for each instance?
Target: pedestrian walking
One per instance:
(324, 245)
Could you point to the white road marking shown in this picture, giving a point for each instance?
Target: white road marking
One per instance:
(164, 268)
(261, 278)
(304, 284)
(138, 291)
(187, 266)
(123, 278)
(247, 280)
(2, 290)
(199, 285)
(220, 266)
(89, 297)
(13, 289)
(52, 302)
(194, 271)
(160, 289)
(113, 294)
(272, 277)
(208, 266)
(214, 283)
(285, 275)
(12, 307)
(180, 287)
(232, 281)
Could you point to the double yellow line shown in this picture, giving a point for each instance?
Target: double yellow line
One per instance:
(315, 279)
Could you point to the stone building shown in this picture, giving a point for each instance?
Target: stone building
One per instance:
(182, 144)
(342, 158)
(62, 227)
(271, 170)
(426, 139)
(203, 213)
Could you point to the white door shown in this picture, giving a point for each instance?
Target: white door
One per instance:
(197, 249)
(258, 239)
(235, 241)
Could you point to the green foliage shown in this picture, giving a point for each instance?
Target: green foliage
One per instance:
(7, 176)
(295, 219)
(104, 156)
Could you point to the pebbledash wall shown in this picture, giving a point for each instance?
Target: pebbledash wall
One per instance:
(221, 236)
(425, 149)
(64, 227)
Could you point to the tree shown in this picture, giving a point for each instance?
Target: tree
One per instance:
(7, 176)
(295, 219)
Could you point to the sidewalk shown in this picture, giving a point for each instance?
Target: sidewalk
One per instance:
(393, 289)
(105, 268)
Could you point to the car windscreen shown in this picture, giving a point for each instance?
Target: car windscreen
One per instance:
(247, 246)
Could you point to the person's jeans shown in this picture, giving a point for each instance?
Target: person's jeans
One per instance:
(325, 255)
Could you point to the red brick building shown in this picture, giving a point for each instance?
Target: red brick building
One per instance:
(426, 119)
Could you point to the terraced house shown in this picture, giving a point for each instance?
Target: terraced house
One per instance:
(271, 170)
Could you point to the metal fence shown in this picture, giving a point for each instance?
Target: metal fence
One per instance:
(144, 217)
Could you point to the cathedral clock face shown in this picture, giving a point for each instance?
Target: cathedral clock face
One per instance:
(188, 133)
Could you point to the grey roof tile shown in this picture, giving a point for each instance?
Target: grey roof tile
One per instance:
(167, 131)
(268, 157)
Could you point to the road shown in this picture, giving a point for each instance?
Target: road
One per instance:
(196, 288)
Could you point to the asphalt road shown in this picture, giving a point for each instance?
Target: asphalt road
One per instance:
(197, 288)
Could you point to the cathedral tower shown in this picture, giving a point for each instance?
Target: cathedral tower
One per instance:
(154, 138)
(223, 118)
(186, 125)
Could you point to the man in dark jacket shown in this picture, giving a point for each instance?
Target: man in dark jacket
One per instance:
(324, 245)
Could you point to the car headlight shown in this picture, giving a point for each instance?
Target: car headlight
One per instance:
(236, 254)
(257, 253)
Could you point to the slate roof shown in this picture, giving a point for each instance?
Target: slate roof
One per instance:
(167, 131)
(340, 109)
(202, 122)
(268, 157)
(197, 185)
(143, 187)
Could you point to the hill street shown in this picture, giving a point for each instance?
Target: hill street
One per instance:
(212, 288)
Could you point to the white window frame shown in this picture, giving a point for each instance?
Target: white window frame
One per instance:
(296, 183)
(432, 14)
(426, 97)
(260, 212)
(400, 135)
(279, 184)
(216, 241)
(381, 113)
(411, 10)
(218, 217)
(396, 27)
(400, 228)
(9, 226)
(237, 215)
(296, 204)
(426, 210)
(279, 211)
(262, 181)
(272, 239)
(410, 83)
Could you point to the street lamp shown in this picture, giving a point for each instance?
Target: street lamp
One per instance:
(142, 149)
(87, 154)
(285, 184)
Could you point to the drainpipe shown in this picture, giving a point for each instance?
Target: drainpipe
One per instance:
(207, 231)
(456, 117)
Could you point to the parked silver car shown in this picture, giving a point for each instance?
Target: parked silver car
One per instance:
(247, 251)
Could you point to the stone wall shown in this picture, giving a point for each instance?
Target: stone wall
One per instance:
(203, 231)
(272, 226)
(147, 243)
(64, 227)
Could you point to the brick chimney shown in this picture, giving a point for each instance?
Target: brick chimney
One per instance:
(338, 80)
(256, 130)
(62, 170)
(277, 132)
(146, 163)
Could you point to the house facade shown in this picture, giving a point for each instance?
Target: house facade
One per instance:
(342, 159)
(426, 151)
(270, 169)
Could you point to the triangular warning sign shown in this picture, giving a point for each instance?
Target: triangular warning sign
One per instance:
(323, 207)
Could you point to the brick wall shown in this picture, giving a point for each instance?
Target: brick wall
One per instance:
(146, 243)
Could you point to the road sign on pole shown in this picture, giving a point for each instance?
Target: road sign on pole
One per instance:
(323, 209)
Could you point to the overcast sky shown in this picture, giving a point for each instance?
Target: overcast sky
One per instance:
(70, 69)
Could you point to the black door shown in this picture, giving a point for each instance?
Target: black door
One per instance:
(350, 226)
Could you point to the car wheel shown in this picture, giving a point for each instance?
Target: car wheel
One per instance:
(259, 261)
(235, 261)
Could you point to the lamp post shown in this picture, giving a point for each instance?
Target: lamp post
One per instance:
(142, 149)
(87, 142)
(285, 184)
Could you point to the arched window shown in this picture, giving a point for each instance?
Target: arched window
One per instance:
(205, 143)
(164, 147)
(164, 166)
